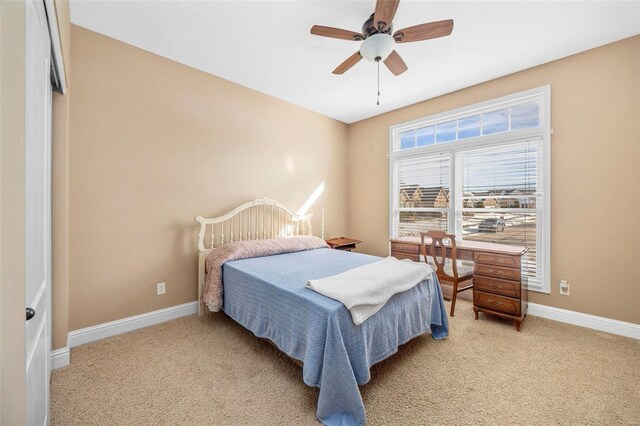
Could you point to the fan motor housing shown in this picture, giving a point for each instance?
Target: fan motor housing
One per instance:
(369, 29)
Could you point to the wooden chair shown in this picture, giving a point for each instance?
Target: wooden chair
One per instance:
(448, 270)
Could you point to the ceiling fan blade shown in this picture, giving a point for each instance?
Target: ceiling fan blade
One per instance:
(320, 30)
(384, 13)
(424, 31)
(348, 63)
(395, 63)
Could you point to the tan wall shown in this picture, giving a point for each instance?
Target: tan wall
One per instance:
(595, 153)
(154, 144)
(60, 189)
(12, 243)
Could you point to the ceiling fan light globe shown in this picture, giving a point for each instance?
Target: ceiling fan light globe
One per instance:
(377, 46)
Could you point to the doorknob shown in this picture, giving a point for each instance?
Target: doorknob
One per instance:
(30, 313)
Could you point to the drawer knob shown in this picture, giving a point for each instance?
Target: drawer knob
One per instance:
(498, 286)
(493, 302)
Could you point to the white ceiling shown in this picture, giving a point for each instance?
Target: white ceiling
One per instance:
(266, 45)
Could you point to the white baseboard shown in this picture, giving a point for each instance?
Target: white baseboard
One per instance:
(593, 322)
(124, 325)
(608, 325)
(59, 358)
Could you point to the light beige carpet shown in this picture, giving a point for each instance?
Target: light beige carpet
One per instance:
(209, 370)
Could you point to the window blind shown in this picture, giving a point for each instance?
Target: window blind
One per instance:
(423, 191)
(500, 199)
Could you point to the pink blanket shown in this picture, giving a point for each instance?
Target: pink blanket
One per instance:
(212, 296)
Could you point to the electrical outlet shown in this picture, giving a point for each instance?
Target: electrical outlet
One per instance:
(564, 287)
(160, 289)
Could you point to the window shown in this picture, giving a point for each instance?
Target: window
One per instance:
(480, 172)
(423, 193)
(499, 194)
(522, 115)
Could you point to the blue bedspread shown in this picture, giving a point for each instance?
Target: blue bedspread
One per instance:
(267, 295)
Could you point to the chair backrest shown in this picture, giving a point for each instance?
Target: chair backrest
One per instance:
(437, 249)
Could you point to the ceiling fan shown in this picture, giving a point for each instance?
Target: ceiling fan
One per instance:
(378, 39)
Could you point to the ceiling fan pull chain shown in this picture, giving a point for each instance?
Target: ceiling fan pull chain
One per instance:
(378, 102)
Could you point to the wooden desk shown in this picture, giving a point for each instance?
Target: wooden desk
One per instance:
(497, 280)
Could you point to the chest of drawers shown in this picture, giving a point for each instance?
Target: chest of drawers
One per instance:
(497, 287)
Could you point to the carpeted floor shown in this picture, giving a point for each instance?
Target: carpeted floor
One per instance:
(209, 370)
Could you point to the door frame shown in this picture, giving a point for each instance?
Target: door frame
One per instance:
(59, 72)
(12, 196)
(12, 212)
(59, 81)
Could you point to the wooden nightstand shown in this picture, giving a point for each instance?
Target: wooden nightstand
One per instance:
(343, 243)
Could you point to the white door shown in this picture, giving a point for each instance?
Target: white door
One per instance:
(38, 212)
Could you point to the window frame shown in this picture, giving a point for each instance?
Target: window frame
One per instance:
(452, 148)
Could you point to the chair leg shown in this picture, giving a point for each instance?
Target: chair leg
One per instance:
(454, 296)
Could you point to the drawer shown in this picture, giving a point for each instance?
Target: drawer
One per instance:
(497, 286)
(496, 303)
(496, 271)
(405, 248)
(497, 259)
(400, 256)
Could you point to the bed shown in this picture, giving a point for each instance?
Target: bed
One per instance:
(267, 295)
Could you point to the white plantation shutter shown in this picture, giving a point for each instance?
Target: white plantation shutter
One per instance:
(500, 199)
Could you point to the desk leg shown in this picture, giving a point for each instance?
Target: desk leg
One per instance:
(475, 311)
(518, 322)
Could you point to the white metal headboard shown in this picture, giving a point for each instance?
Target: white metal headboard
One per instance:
(259, 219)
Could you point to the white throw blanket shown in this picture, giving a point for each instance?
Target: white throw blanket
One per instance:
(365, 290)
